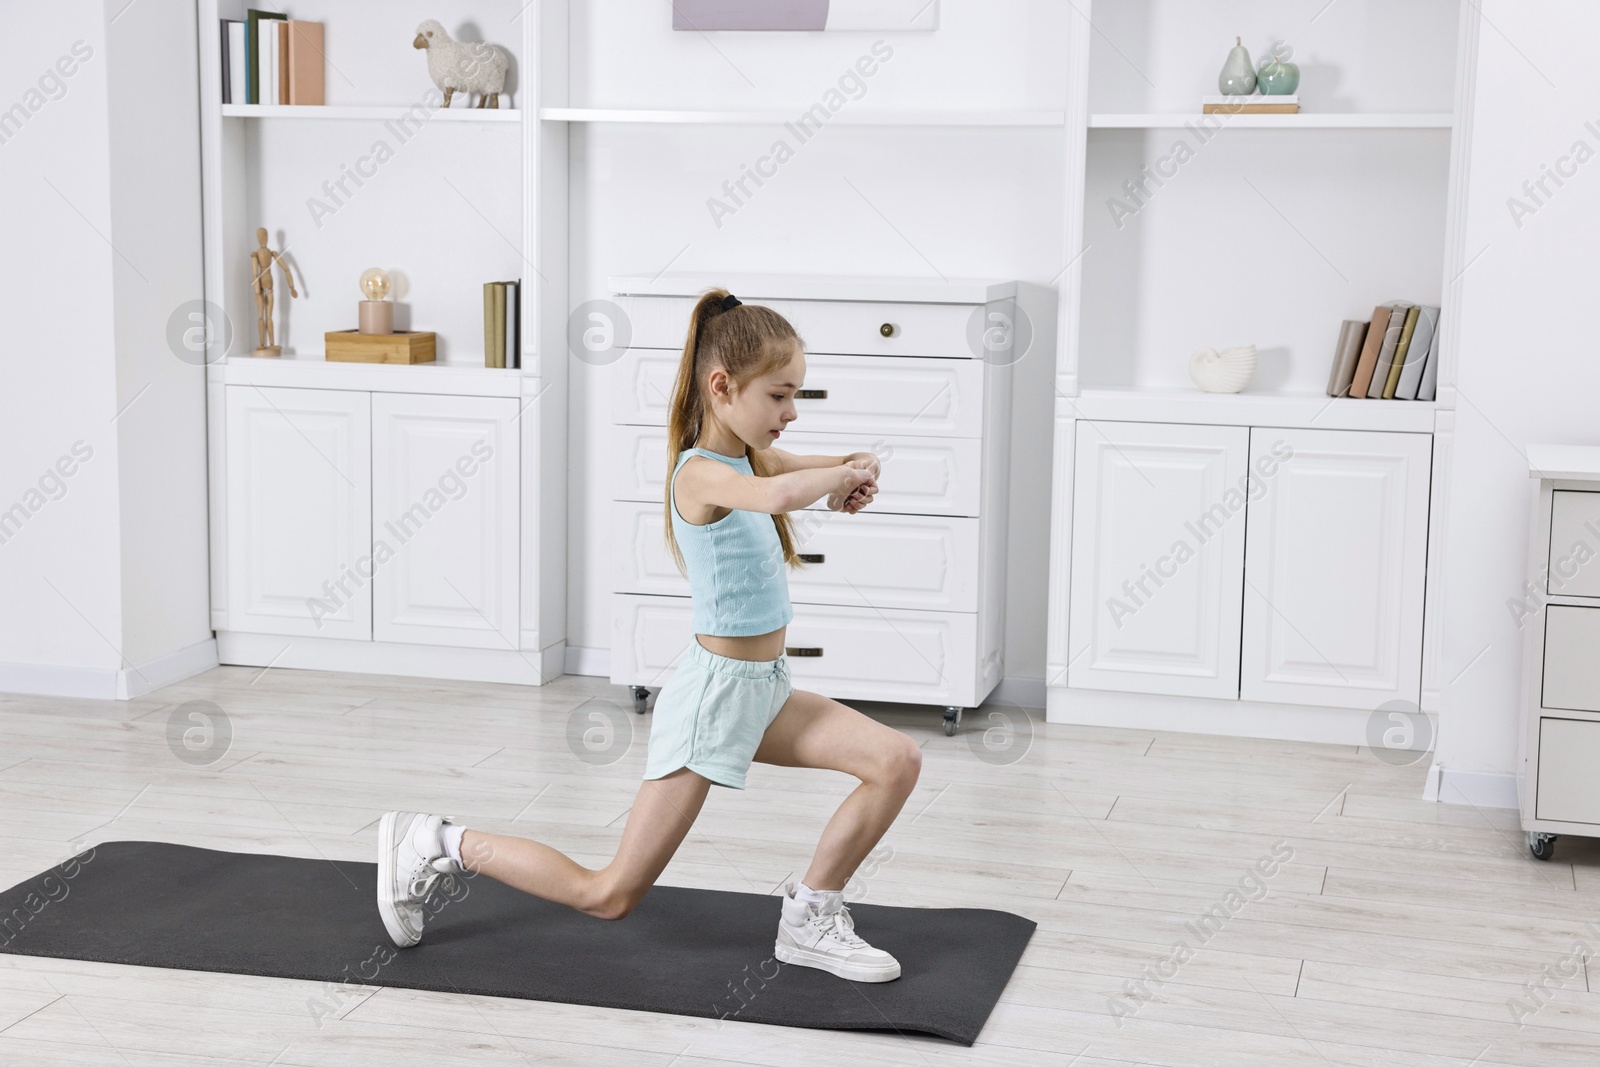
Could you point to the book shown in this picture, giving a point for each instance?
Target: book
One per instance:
(1430, 370)
(1254, 104)
(510, 291)
(252, 52)
(1417, 355)
(516, 320)
(488, 324)
(1369, 351)
(1352, 334)
(1391, 340)
(280, 58)
(234, 64)
(268, 60)
(1250, 98)
(304, 63)
(499, 347)
(227, 81)
(1400, 349)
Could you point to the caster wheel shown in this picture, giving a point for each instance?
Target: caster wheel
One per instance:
(641, 696)
(952, 720)
(1543, 846)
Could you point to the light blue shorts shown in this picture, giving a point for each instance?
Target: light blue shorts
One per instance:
(711, 714)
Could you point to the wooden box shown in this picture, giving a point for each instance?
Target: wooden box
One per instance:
(399, 347)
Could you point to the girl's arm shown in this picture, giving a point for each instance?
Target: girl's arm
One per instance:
(788, 461)
(703, 481)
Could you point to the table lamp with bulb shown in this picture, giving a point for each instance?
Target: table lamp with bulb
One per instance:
(377, 314)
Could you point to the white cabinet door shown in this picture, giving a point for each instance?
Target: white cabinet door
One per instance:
(1334, 568)
(445, 519)
(1157, 558)
(299, 511)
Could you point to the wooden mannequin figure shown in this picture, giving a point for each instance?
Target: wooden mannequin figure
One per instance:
(261, 281)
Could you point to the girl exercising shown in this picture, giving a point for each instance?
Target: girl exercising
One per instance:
(728, 495)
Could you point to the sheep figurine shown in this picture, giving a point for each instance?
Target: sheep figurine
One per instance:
(463, 65)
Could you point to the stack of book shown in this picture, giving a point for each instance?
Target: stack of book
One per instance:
(1395, 356)
(269, 58)
(502, 324)
(1253, 104)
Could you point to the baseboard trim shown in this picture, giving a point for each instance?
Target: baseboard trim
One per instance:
(1200, 715)
(1480, 789)
(40, 680)
(94, 683)
(174, 667)
(594, 662)
(519, 667)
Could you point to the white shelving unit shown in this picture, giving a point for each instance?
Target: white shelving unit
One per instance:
(312, 461)
(1183, 234)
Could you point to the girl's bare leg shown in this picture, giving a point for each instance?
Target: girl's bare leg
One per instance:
(662, 813)
(816, 731)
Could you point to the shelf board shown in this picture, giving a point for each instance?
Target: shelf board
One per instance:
(768, 118)
(309, 370)
(1305, 120)
(377, 112)
(1316, 411)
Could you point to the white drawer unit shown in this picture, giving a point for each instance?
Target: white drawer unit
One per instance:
(905, 601)
(1559, 615)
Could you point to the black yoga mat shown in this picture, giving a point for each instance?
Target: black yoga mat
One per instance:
(694, 952)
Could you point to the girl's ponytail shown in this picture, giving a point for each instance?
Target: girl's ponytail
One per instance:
(746, 340)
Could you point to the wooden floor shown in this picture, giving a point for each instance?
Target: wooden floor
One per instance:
(1399, 932)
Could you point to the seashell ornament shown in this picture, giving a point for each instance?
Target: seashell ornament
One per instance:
(1227, 371)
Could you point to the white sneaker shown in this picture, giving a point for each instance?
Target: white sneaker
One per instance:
(411, 862)
(824, 936)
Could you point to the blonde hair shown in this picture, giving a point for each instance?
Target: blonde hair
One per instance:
(747, 341)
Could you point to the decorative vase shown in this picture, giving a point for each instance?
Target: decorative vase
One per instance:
(1277, 76)
(1227, 371)
(1238, 77)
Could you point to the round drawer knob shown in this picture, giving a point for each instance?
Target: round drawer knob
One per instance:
(887, 329)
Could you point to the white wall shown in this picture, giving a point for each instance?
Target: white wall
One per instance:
(855, 200)
(106, 576)
(1527, 369)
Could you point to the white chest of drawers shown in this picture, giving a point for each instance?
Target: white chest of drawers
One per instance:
(906, 601)
(1559, 615)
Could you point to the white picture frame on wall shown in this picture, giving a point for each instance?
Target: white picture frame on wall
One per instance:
(805, 15)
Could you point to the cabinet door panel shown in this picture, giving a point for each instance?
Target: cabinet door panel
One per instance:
(1334, 568)
(1157, 556)
(445, 520)
(299, 511)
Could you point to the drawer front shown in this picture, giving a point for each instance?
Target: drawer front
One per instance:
(886, 561)
(1574, 543)
(865, 653)
(843, 327)
(899, 395)
(919, 476)
(1569, 751)
(1571, 658)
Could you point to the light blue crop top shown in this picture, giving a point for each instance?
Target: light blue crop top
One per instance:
(737, 574)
